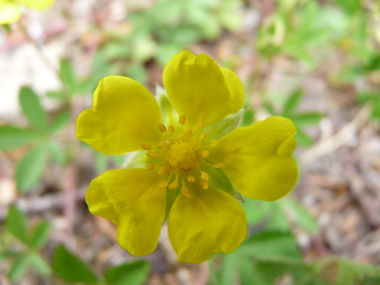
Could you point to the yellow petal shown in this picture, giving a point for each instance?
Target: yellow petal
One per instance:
(37, 4)
(124, 115)
(258, 158)
(130, 198)
(198, 87)
(208, 221)
(9, 12)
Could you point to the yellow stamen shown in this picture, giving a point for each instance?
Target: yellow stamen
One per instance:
(218, 165)
(190, 178)
(146, 146)
(202, 136)
(162, 144)
(171, 129)
(152, 154)
(204, 184)
(214, 143)
(205, 154)
(149, 167)
(188, 133)
(181, 120)
(205, 176)
(201, 123)
(163, 170)
(163, 185)
(173, 185)
(185, 192)
(162, 128)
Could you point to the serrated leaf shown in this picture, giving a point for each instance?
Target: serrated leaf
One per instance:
(39, 264)
(19, 268)
(32, 108)
(60, 120)
(72, 269)
(40, 234)
(12, 137)
(16, 223)
(134, 273)
(293, 102)
(56, 152)
(30, 168)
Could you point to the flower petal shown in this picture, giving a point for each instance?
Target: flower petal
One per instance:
(130, 198)
(198, 87)
(9, 12)
(124, 115)
(207, 222)
(258, 158)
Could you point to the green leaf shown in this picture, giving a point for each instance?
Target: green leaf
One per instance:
(30, 168)
(56, 152)
(32, 108)
(101, 162)
(248, 118)
(40, 234)
(303, 139)
(56, 95)
(293, 102)
(220, 180)
(39, 264)
(5, 254)
(68, 74)
(301, 216)
(60, 120)
(350, 6)
(71, 269)
(311, 118)
(16, 223)
(19, 268)
(134, 273)
(12, 137)
(223, 127)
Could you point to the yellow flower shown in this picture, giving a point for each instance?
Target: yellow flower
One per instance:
(10, 9)
(192, 156)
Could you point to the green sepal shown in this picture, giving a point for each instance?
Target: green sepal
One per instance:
(171, 195)
(169, 114)
(220, 180)
(223, 127)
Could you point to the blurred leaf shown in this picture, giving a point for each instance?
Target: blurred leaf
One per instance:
(101, 162)
(39, 264)
(371, 280)
(56, 152)
(293, 102)
(30, 168)
(350, 6)
(60, 120)
(40, 234)
(56, 95)
(16, 223)
(12, 137)
(303, 139)
(5, 254)
(247, 118)
(32, 108)
(256, 210)
(19, 268)
(71, 269)
(68, 74)
(300, 214)
(310, 118)
(134, 273)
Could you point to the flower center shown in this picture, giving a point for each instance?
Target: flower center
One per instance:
(182, 155)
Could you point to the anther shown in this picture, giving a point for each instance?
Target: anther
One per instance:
(163, 185)
(185, 192)
(181, 120)
(204, 184)
(201, 123)
(162, 128)
(146, 146)
(173, 185)
(149, 167)
(152, 154)
(190, 178)
(162, 144)
(214, 143)
(205, 176)
(205, 154)
(163, 170)
(218, 165)
(189, 133)
(171, 129)
(202, 136)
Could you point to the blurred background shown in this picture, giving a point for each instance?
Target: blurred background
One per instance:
(315, 62)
